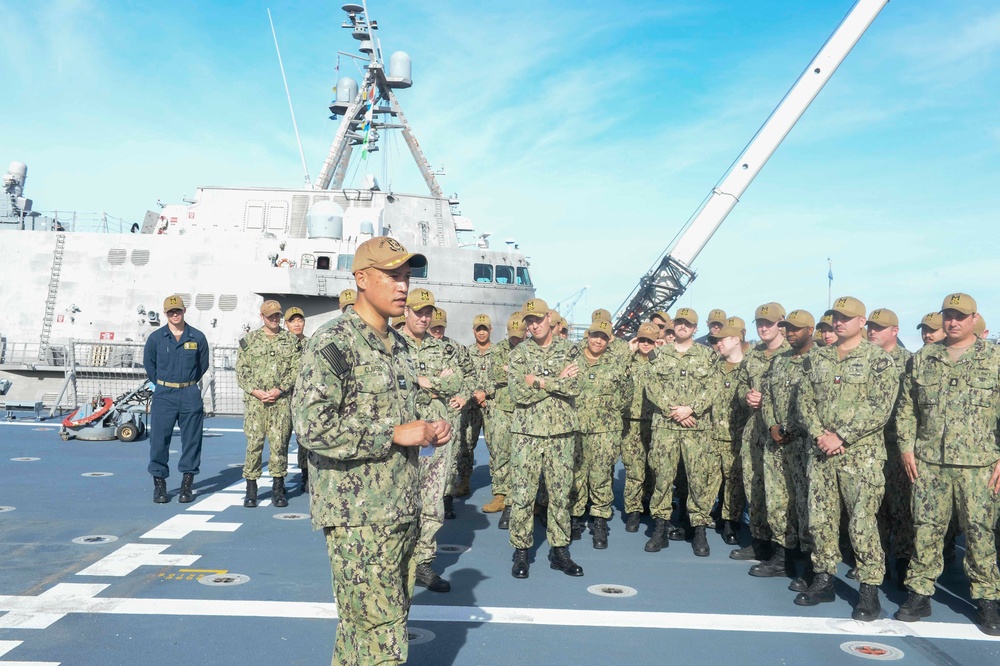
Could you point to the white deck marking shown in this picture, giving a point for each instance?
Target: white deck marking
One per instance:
(217, 502)
(131, 556)
(7, 646)
(67, 598)
(181, 525)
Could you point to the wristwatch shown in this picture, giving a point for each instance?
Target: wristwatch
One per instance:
(536, 384)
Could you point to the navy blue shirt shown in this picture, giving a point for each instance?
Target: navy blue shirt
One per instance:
(170, 360)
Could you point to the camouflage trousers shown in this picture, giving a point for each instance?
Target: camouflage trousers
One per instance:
(533, 457)
(861, 484)
(895, 517)
(454, 417)
(472, 423)
(786, 492)
(734, 499)
(271, 421)
(433, 473)
(593, 479)
(938, 491)
(664, 454)
(373, 575)
(752, 466)
(703, 464)
(634, 452)
(498, 439)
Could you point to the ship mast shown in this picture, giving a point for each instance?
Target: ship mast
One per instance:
(670, 276)
(374, 99)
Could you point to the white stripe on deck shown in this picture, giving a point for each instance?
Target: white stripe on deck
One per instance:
(66, 598)
(183, 524)
(7, 646)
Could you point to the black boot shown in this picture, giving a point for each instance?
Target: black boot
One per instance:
(820, 592)
(868, 606)
(658, 540)
(520, 568)
(915, 607)
(600, 531)
(250, 499)
(902, 568)
(780, 564)
(304, 479)
(504, 523)
(576, 527)
(676, 533)
(731, 532)
(759, 549)
(278, 492)
(160, 490)
(449, 507)
(632, 524)
(560, 561)
(185, 494)
(699, 544)
(426, 577)
(988, 619)
(802, 583)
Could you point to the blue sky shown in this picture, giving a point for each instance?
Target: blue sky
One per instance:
(587, 131)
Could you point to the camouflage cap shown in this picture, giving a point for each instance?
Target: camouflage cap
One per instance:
(601, 326)
(960, 303)
(772, 312)
(536, 307)
(883, 317)
(439, 317)
(717, 317)
(825, 320)
(798, 319)
(270, 307)
(481, 320)
(931, 320)
(980, 327)
(687, 314)
(600, 313)
(515, 325)
(848, 306)
(174, 302)
(385, 253)
(649, 331)
(348, 297)
(419, 298)
(294, 312)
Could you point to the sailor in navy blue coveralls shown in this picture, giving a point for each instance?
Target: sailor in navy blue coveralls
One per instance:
(175, 364)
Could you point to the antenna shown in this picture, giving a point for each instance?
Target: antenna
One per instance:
(295, 126)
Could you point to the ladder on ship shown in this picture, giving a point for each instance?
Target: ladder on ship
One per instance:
(50, 300)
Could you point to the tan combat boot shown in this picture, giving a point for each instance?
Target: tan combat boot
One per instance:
(495, 505)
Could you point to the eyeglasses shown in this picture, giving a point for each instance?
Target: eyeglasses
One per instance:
(174, 312)
(661, 326)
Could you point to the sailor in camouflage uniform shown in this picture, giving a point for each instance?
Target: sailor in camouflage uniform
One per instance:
(354, 408)
(347, 299)
(948, 436)
(786, 453)
(295, 322)
(543, 378)
(845, 402)
(895, 519)
(475, 414)
(931, 328)
(638, 431)
(499, 437)
(605, 393)
(729, 418)
(755, 435)
(440, 379)
(682, 392)
(267, 364)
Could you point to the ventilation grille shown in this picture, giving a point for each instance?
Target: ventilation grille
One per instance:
(117, 256)
(228, 302)
(141, 258)
(204, 301)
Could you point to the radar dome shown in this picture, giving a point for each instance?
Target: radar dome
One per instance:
(325, 219)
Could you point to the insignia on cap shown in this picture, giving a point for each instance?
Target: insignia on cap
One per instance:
(955, 299)
(841, 302)
(393, 244)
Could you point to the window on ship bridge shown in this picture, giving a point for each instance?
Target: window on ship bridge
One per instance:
(482, 273)
(344, 262)
(322, 263)
(505, 274)
(523, 278)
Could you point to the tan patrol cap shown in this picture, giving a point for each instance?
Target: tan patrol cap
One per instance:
(960, 303)
(931, 320)
(174, 302)
(798, 319)
(439, 317)
(515, 325)
(825, 320)
(648, 330)
(848, 306)
(980, 327)
(419, 298)
(883, 317)
(269, 307)
(772, 312)
(733, 327)
(687, 314)
(662, 314)
(294, 312)
(600, 313)
(717, 317)
(396, 322)
(385, 253)
(348, 297)
(536, 307)
(601, 326)
(481, 320)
